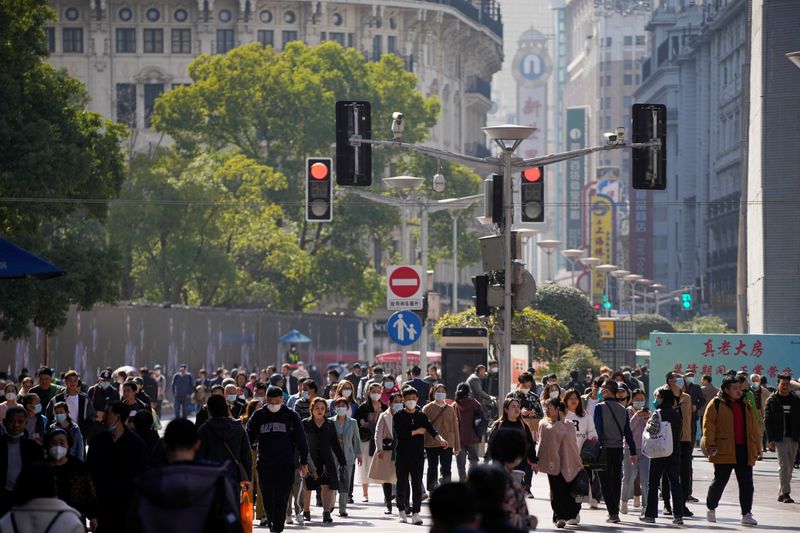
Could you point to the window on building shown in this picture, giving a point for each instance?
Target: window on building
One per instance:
(391, 44)
(338, 37)
(663, 52)
(607, 102)
(224, 41)
(628, 40)
(608, 81)
(266, 37)
(126, 41)
(50, 33)
(608, 41)
(72, 40)
(288, 36)
(126, 104)
(377, 47)
(628, 64)
(153, 41)
(628, 79)
(151, 92)
(640, 40)
(181, 41)
(627, 101)
(351, 38)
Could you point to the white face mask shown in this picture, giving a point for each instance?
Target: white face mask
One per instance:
(440, 396)
(274, 407)
(347, 393)
(554, 394)
(11, 396)
(388, 384)
(397, 406)
(341, 411)
(411, 404)
(375, 396)
(57, 452)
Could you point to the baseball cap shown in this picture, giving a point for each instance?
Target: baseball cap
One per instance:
(157, 367)
(183, 366)
(356, 365)
(106, 375)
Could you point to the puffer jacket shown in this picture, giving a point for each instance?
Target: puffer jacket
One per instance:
(42, 514)
(718, 431)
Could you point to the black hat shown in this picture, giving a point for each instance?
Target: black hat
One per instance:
(356, 365)
(106, 375)
(183, 366)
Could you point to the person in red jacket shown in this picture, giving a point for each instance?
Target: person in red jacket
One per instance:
(470, 416)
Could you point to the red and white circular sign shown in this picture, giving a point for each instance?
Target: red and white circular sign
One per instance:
(404, 282)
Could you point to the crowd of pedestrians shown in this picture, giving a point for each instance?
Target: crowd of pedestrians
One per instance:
(286, 448)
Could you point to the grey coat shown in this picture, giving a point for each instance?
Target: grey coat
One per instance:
(349, 439)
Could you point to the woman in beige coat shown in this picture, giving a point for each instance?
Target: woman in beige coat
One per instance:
(444, 419)
(560, 459)
(382, 469)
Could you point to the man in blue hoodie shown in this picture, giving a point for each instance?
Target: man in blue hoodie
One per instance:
(281, 442)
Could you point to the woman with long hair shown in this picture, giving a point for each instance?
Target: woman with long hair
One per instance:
(444, 419)
(382, 468)
(510, 418)
(585, 431)
(469, 412)
(639, 415)
(551, 392)
(348, 435)
(367, 418)
(323, 444)
(64, 421)
(345, 390)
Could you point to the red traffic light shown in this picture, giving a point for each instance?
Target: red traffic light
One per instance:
(532, 174)
(319, 171)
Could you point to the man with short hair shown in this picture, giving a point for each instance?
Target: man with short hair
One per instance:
(202, 380)
(184, 495)
(491, 382)
(591, 400)
(80, 408)
(333, 382)
(782, 421)
(709, 392)
(202, 414)
(129, 389)
(46, 389)
(303, 406)
(290, 382)
(574, 382)
(475, 382)
(161, 388)
(354, 376)
(376, 377)
(115, 457)
(182, 389)
(433, 376)
(16, 452)
(236, 404)
(732, 439)
(422, 387)
(613, 427)
(223, 440)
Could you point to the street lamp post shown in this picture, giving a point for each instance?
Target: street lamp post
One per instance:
(572, 255)
(508, 137)
(632, 279)
(619, 275)
(656, 288)
(606, 270)
(591, 262)
(549, 246)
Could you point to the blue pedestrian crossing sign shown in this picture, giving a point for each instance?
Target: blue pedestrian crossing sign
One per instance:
(404, 327)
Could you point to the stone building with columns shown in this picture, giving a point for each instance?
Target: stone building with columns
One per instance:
(129, 52)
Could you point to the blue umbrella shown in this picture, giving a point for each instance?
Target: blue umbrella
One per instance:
(16, 263)
(294, 337)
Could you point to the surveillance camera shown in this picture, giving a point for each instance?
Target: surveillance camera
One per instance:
(620, 134)
(398, 124)
(611, 137)
(438, 182)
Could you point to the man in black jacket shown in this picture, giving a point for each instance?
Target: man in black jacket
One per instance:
(81, 409)
(281, 442)
(224, 440)
(782, 423)
(16, 452)
(422, 387)
(184, 495)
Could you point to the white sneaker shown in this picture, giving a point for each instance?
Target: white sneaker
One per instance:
(289, 519)
(623, 507)
(561, 524)
(711, 515)
(748, 520)
(637, 502)
(402, 517)
(574, 521)
(298, 519)
(416, 520)
(594, 504)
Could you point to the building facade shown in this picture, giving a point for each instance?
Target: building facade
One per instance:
(695, 67)
(130, 52)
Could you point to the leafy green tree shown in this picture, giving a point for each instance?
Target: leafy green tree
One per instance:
(576, 356)
(276, 109)
(646, 322)
(544, 333)
(704, 324)
(571, 307)
(53, 155)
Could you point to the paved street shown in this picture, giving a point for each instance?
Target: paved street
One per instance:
(771, 515)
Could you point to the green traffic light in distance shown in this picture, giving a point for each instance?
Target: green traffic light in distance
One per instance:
(686, 300)
(606, 303)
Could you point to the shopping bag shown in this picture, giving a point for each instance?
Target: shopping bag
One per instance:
(657, 438)
(246, 509)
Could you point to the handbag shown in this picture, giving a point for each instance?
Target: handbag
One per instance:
(579, 487)
(590, 452)
(365, 434)
(388, 444)
(657, 438)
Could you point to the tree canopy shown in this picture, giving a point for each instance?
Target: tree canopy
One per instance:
(54, 156)
(571, 306)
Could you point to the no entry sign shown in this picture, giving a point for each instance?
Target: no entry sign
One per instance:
(404, 287)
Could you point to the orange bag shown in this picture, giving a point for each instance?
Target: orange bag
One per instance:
(246, 509)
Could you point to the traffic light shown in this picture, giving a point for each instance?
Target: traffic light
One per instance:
(532, 194)
(607, 303)
(481, 284)
(498, 209)
(686, 300)
(649, 164)
(319, 189)
(353, 162)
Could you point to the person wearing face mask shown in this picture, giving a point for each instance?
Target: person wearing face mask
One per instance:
(345, 390)
(36, 422)
(422, 386)
(532, 412)
(698, 403)
(16, 452)
(639, 414)
(389, 388)
(63, 421)
(324, 451)
(552, 392)
(102, 394)
(675, 383)
(585, 431)
(470, 416)
(347, 432)
(303, 406)
(46, 389)
(80, 408)
(410, 426)
(367, 417)
(444, 419)
(115, 458)
(11, 393)
(236, 404)
(223, 440)
(293, 398)
(760, 395)
(202, 412)
(382, 467)
(74, 485)
(510, 418)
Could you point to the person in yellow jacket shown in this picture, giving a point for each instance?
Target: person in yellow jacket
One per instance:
(732, 441)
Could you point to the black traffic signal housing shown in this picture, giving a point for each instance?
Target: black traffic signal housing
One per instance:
(319, 189)
(532, 194)
(649, 164)
(353, 162)
(481, 284)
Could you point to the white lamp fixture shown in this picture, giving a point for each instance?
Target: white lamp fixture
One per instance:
(794, 57)
(549, 246)
(572, 255)
(403, 182)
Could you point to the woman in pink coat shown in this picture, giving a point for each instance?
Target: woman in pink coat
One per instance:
(560, 459)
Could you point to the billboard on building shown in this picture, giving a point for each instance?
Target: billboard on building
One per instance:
(576, 169)
(601, 239)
